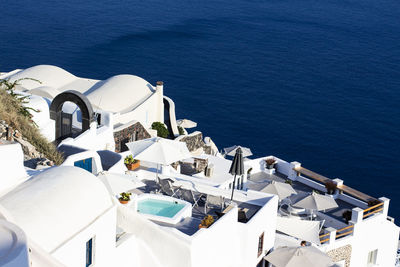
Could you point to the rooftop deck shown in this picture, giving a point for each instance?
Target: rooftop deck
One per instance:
(259, 180)
(190, 225)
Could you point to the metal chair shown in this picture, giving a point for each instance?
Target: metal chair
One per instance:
(211, 201)
(190, 196)
(167, 187)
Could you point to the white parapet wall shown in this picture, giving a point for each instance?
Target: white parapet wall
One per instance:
(94, 138)
(366, 235)
(96, 162)
(12, 165)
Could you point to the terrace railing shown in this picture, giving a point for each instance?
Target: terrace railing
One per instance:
(342, 232)
(323, 180)
(372, 210)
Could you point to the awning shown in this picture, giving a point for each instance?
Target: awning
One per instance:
(302, 229)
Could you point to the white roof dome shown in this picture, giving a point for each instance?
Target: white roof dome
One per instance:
(48, 75)
(119, 92)
(56, 204)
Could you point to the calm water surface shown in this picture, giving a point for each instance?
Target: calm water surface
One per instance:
(312, 81)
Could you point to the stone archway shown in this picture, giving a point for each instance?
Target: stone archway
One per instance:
(80, 100)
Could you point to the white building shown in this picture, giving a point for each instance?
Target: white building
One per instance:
(108, 112)
(68, 217)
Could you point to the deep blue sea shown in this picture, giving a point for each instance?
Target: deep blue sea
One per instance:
(313, 81)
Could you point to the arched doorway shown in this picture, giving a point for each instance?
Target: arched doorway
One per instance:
(64, 120)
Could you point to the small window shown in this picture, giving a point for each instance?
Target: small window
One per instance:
(372, 257)
(89, 252)
(260, 245)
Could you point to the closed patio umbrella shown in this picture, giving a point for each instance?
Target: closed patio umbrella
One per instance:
(316, 202)
(231, 151)
(237, 167)
(299, 257)
(282, 190)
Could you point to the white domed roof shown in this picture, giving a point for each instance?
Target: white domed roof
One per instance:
(47, 75)
(116, 94)
(119, 92)
(56, 204)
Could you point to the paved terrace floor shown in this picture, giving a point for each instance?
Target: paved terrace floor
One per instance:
(190, 225)
(259, 180)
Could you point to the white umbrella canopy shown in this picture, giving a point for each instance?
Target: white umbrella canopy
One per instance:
(299, 257)
(316, 202)
(118, 183)
(282, 190)
(302, 229)
(159, 150)
(185, 123)
(231, 151)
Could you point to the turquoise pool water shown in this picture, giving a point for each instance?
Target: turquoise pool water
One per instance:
(159, 207)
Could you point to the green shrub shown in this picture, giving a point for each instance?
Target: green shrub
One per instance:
(18, 117)
(181, 131)
(162, 131)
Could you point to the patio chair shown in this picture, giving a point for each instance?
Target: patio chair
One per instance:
(212, 201)
(167, 187)
(190, 196)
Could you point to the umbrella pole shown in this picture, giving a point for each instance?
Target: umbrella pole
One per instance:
(233, 187)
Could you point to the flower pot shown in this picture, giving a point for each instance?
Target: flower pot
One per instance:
(271, 166)
(123, 201)
(133, 166)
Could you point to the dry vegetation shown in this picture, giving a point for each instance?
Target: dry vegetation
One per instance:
(15, 115)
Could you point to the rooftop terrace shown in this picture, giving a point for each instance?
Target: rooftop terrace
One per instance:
(190, 225)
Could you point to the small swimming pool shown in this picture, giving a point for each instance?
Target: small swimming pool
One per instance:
(163, 208)
(159, 207)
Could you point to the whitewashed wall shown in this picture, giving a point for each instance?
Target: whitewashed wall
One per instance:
(73, 252)
(12, 166)
(146, 112)
(96, 162)
(42, 117)
(94, 138)
(218, 244)
(262, 222)
(372, 233)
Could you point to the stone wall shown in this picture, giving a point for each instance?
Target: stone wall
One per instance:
(342, 253)
(131, 133)
(194, 141)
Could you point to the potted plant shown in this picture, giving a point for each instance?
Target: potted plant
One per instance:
(347, 215)
(125, 197)
(290, 182)
(131, 163)
(206, 222)
(270, 163)
(330, 187)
